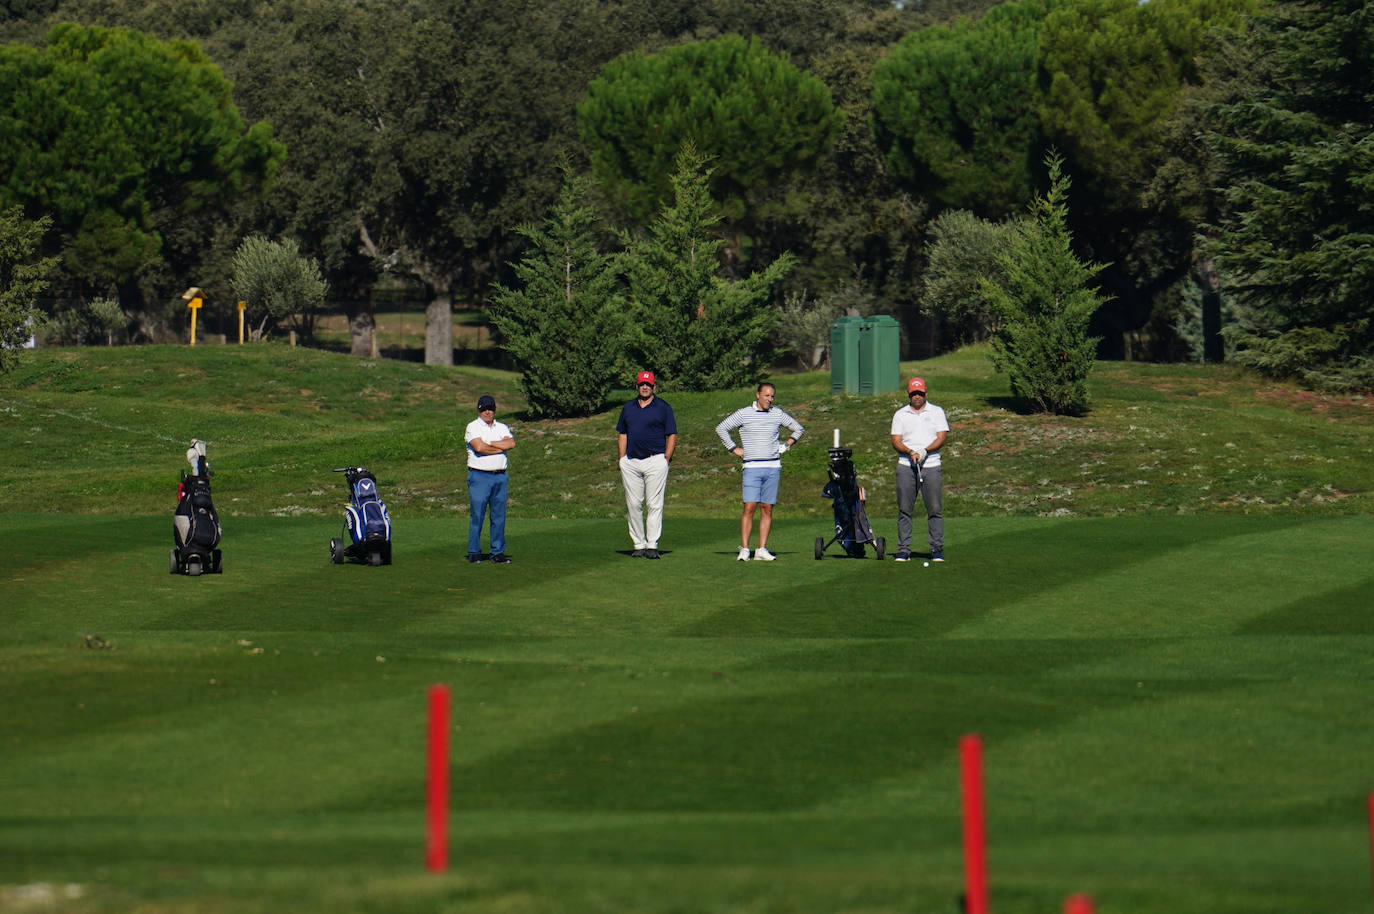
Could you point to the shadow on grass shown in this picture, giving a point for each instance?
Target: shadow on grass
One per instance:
(981, 575)
(1022, 407)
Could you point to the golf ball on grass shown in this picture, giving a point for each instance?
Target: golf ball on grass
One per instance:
(925, 564)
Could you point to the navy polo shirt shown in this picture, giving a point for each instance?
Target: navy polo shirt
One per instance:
(646, 428)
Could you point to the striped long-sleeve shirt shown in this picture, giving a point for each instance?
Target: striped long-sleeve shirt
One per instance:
(758, 432)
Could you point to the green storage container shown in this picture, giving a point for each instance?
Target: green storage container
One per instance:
(844, 355)
(880, 347)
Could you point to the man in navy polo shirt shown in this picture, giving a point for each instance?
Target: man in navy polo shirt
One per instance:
(647, 435)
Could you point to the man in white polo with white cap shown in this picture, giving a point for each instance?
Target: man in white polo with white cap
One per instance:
(919, 430)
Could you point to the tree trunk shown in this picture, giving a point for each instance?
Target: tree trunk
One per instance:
(132, 301)
(439, 329)
(1213, 349)
(439, 312)
(362, 330)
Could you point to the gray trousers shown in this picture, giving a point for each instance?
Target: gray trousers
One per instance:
(931, 489)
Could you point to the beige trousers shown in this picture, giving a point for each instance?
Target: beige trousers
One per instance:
(645, 480)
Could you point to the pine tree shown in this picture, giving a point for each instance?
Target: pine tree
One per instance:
(694, 328)
(1296, 143)
(953, 108)
(563, 325)
(1044, 299)
(762, 120)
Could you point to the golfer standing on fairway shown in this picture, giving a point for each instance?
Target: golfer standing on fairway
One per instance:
(646, 436)
(759, 424)
(919, 430)
(488, 486)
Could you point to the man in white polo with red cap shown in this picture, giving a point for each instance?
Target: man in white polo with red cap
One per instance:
(646, 435)
(919, 430)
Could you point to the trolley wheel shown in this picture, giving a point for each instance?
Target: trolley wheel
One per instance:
(217, 562)
(336, 551)
(880, 548)
(820, 547)
(375, 557)
(195, 566)
(173, 564)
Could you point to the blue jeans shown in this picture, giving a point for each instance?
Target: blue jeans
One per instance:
(487, 490)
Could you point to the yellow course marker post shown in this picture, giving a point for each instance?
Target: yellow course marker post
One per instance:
(194, 299)
(241, 307)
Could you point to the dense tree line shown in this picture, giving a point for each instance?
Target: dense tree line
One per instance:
(1295, 232)
(843, 137)
(130, 145)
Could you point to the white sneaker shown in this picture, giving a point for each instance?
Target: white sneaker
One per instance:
(763, 555)
(744, 553)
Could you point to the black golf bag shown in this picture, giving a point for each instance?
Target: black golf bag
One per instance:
(852, 530)
(367, 525)
(195, 525)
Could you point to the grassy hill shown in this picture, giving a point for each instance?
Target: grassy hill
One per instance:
(1156, 617)
(103, 431)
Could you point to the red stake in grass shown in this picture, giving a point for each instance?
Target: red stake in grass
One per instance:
(1078, 904)
(1371, 828)
(436, 843)
(975, 835)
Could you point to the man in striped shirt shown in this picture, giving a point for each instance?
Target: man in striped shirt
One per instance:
(759, 425)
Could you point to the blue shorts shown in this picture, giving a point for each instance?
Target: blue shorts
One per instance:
(761, 484)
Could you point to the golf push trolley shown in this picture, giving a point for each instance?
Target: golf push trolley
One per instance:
(852, 530)
(366, 535)
(195, 525)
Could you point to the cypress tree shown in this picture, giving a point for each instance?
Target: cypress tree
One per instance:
(1042, 294)
(697, 329)
(562, 326)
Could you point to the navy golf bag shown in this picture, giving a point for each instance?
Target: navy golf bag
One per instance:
(367, 525)
(195, 525)
(852, 530)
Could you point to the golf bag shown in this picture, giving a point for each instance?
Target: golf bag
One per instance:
(852, 530)
(367, 525)
(195, 525)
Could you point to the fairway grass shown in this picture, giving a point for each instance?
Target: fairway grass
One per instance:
(1157, 617)
(1173, 710)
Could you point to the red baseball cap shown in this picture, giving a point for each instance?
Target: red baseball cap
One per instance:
(644, 377)
(916, 384)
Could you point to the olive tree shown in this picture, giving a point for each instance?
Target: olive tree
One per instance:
(276, 282)
(23, 274)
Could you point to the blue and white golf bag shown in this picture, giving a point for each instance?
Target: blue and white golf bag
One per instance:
(367, 524)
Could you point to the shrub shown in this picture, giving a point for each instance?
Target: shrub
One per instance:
(94, 322)
(962, 252)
